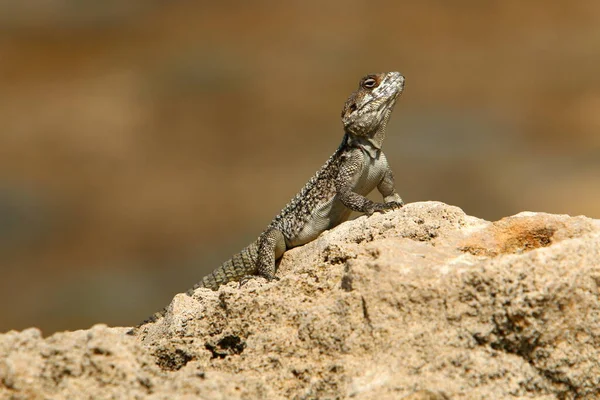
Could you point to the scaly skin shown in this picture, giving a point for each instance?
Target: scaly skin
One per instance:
(356, 168)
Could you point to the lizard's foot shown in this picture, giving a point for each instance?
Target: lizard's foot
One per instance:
(383, 207)
(245, 280)
(394, 198)
(393, 205)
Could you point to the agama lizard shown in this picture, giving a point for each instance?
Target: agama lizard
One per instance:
(356, 168)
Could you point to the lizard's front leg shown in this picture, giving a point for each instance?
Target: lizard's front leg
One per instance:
(388, 190)
(351, 166)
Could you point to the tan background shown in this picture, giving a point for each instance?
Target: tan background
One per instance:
(142, 143)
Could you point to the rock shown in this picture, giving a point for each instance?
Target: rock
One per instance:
(421, 303)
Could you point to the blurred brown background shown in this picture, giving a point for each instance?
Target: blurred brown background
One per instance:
(144, 142)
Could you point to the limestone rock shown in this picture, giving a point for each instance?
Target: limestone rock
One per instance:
(421, 303)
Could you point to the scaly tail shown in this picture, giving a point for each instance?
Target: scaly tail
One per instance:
(240, 265)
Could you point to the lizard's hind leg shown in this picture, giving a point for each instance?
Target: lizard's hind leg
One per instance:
(270, 248)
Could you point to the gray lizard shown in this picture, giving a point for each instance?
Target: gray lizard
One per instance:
(356, 168)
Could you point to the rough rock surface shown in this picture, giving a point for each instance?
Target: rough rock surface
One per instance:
(420, 303)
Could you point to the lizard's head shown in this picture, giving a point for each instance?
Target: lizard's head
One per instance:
(368, 109)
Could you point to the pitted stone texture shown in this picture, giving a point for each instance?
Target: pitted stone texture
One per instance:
(424, 302)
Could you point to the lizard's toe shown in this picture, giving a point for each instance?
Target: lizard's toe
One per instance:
(245, 279)
(396, 204)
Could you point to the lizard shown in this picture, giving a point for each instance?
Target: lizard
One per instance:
(356, 168)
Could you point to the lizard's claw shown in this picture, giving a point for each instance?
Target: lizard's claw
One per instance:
(393, 205)
(245, 280)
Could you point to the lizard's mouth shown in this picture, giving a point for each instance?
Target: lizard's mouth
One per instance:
(389, 102)
(399, 83)
(400, 88)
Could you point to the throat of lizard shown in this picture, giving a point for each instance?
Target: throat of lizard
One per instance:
(369, 143)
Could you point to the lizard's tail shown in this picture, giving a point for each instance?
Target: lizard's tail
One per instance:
(232, 270)
(240, 265)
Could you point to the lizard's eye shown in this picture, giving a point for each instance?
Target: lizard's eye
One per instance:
(369, 83)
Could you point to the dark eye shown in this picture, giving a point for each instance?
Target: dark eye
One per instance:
(369, 83)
